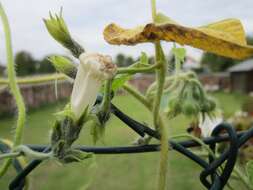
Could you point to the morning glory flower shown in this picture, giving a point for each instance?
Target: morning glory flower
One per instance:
(208, 124)
(92, 71)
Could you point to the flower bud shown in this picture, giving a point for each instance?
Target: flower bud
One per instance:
(93, 70)
(63, 65)
(58, 29)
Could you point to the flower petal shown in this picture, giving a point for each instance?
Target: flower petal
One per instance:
(225, 38)
(208, 124)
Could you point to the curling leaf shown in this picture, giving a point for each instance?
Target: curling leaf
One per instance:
(226, 38)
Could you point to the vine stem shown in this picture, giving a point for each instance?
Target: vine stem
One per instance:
(34, 80)
(10, 155)
(137, 95)
(13, 88)
(206, 147)
(137, 70)
(157, 118)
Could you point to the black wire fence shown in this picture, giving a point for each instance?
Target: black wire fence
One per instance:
(216, 171)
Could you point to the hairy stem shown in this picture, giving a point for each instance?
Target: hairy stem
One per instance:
(137, 70)
(153, 8)
(13, 88)
(138, 96)
(107, 96)
(157, 118)
(206, 147)
(9, 155)
(34, 80)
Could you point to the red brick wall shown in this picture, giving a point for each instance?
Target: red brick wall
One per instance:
(35, 95)
(39, 94)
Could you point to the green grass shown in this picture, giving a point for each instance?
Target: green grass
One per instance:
(123, 172)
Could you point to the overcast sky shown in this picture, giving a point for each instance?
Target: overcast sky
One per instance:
(87, 18)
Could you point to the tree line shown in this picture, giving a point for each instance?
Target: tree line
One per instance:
(26, 64)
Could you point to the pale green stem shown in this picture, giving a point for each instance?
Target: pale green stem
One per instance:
(197, 140)
(10, 155)
(13, 88)
(153, 6)
(157, 119)
(168, 80)
(138, 96)
(107, 96)
(160, 78)
(137, 70)
(31, 153)
(37, 79)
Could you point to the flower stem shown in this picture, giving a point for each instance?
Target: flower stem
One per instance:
(107, 96)
(13, 88)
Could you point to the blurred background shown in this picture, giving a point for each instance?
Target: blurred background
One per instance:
(228, 80)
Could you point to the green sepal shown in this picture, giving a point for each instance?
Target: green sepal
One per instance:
(64, 65)
(67, 112)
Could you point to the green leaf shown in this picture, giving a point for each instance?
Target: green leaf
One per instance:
(144, 59)
(120, 80)
(179, 53)
(249, 170)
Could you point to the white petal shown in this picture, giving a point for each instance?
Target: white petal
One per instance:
(208, 124)
(92, 71)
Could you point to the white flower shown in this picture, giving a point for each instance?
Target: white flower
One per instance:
(92, 71)
(208, 124)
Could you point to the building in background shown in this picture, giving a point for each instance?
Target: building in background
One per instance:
(241, 77)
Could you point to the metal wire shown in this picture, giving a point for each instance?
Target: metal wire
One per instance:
(217, 182)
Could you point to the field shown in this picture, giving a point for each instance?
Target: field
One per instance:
(122, 172)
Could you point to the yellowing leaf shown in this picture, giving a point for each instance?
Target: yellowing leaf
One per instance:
(231, 29)
(225, 38)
